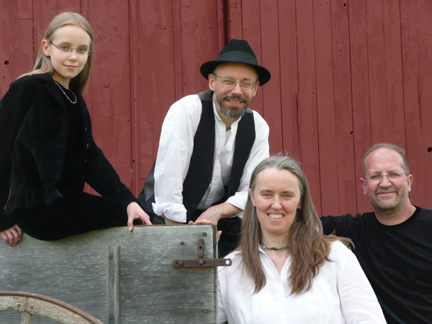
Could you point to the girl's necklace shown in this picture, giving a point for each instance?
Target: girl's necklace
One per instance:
(72, 102)
(273, 248)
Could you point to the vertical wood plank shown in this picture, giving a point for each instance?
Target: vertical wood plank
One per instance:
(343, 104)
(394, 112)
(411, 33)
(113, 285)
(251, 20)
(135, 140)
(329, 184)
(235, 19)
(271, 92)
(289, 77)
(416, 42)
(358, 29)
(424, 178)
(222, 8)
(377, 69)
(308, 120)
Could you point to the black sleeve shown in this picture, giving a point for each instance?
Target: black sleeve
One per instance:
(100, 174)
(339, 225)
(13, 108)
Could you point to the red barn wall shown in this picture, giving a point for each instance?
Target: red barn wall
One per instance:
(345, 75)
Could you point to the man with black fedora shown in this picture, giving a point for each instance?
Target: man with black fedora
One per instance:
(209, 145)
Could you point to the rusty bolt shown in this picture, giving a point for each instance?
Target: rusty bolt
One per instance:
(205, 311)
(204, 234)
(183, 310)
(201, 262)
(180, 263)
(181, 243)
(111, 317)
(111, 256)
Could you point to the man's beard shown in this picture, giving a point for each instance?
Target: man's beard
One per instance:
(232, 114)
(388, 206)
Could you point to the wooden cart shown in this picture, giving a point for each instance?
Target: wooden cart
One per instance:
(156, 274)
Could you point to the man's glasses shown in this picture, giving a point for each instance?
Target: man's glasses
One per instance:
(229, 83)
(67, 49)
(377, 178)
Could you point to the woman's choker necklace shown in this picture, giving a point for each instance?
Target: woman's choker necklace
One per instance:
(72, 102)
(273, 248)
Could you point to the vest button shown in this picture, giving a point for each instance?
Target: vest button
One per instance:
(193, 205)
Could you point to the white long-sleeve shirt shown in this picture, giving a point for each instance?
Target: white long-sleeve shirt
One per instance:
(340, 293)
(175, 151)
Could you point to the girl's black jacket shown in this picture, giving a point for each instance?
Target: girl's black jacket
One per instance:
(33, 136)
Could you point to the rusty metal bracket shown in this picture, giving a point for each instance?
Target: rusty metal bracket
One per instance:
(201, 263)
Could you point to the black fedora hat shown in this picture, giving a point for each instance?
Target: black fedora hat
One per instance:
(237, 51)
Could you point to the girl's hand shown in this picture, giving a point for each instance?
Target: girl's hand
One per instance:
(134, 211)
(12, 235)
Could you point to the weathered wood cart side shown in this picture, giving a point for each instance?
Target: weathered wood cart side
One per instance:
(156, 274)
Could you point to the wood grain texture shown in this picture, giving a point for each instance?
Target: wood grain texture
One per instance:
(346, 180)
(346, 74)
(270, 49)
(75, 271)
(352, 73)
(307, 98)
(289, 80)
(361, 110)
(326, 110)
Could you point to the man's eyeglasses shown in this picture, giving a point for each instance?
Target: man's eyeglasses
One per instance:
(67, 49)
(229, 83)
(391, 177)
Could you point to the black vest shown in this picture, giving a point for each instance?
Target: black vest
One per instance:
(200, 169)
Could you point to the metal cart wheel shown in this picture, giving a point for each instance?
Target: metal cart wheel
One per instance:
(34, 304)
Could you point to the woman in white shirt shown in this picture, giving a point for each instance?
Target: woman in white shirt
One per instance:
(285, 270)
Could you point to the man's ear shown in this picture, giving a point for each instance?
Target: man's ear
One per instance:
(363, 185)
(410, 180)
(212, 80)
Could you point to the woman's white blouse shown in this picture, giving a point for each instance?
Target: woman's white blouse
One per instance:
(340, 293)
